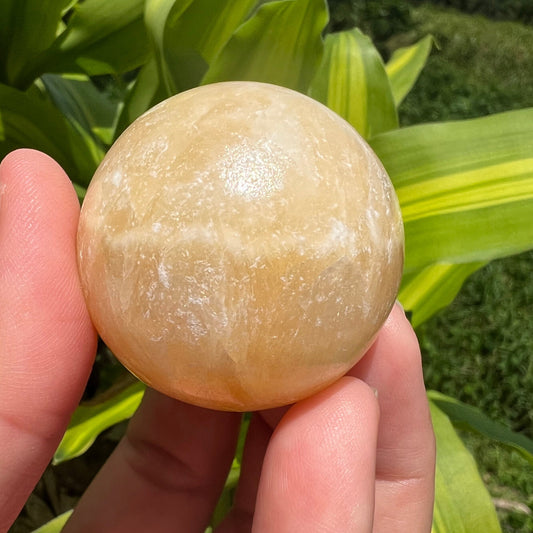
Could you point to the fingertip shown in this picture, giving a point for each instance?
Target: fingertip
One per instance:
(298, 428)
(325, 444)
(26, 170)
(19, 160)
(398, 325)
(347, 398)
(335, 423)
(395, 352)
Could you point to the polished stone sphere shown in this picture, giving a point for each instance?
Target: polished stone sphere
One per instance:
(240, 246)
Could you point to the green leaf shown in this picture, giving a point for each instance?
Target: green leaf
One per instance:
(462, 503)
(466, 417)
(55, 525)
(156, 15)
(189, 35)
(225, 501)
(352, 82)
(88, 421)
(465, 188)
(102, 37)
(146, 91)
(429, 290)
(79, 100)
(80, 192)
(280, 44)
(405, 66)
(26, 122)
(26, 29)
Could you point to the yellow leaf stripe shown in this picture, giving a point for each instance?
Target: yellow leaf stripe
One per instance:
(468, 190)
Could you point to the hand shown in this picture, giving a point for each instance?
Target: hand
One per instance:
(342, 460)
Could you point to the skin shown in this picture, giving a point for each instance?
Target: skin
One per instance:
(346, 459)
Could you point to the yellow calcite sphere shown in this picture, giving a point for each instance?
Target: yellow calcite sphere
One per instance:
(240, 246)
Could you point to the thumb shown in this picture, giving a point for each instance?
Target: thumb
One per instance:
(47, 342)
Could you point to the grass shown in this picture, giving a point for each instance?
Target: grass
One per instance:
(509, 480)
(480, 67)
(479, 349)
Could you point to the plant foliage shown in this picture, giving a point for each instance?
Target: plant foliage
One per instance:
(465, 188)
(519, 10)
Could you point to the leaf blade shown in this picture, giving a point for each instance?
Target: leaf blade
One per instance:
(101, 38)
(284, 39)
(465, 188)
(145, 92)
(462, 503)
(352, 82)
(193, 40)
(405, 65)
(187, 35)
(465, 416)
(26, 29)
(26, 122)
(156, 15)
(79, 100)
(56, 524)
(89, 421)
(427, 291)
